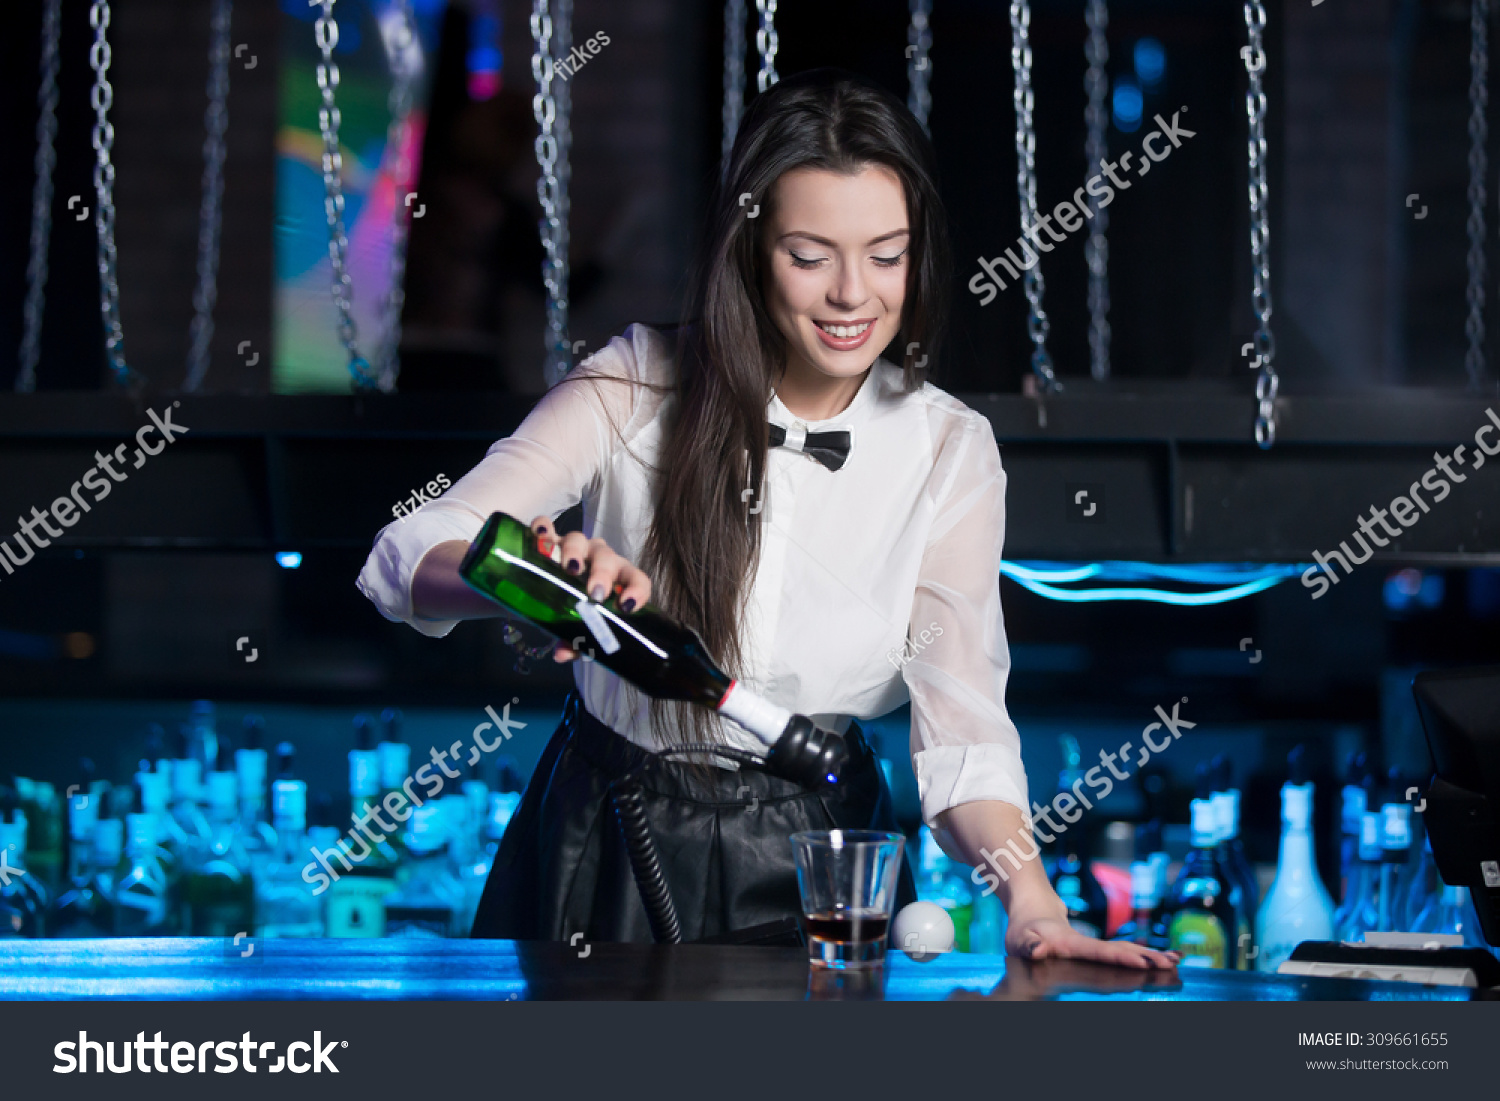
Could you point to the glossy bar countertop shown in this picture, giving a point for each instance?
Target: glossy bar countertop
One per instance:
(182, 968)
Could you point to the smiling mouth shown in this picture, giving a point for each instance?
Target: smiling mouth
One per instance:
(844, 331)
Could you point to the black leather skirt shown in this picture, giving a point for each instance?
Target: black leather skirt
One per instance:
(721, 835)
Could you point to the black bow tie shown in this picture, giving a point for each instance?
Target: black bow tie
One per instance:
(829, 448)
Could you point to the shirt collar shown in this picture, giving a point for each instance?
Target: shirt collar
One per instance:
(863, 399)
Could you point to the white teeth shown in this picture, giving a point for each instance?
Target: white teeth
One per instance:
(844, 331)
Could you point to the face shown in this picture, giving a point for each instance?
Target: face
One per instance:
(836, 267)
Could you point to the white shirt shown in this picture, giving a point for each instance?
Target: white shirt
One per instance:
(908, 532)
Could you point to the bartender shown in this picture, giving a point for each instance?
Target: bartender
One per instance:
(829, 523)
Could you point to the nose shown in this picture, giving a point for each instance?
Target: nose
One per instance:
(848, 288)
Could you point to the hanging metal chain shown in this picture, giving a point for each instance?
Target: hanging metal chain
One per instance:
(326, 32)
(41, 199)
(919, 61)
(1479, 104)
(766, 42)
(551, 105)
(102, 96)
(1037, 324)
(399, 167)
(1267, 383)
(210, 210)
(1096, 150)
(734, 77)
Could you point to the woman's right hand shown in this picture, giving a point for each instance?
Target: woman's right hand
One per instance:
(606, 571)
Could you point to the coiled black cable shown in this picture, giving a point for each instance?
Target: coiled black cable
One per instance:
(805, 754)
(661, 911)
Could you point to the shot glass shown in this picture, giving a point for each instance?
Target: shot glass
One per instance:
(847, 879)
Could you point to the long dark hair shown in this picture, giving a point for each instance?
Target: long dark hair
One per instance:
(703, 549)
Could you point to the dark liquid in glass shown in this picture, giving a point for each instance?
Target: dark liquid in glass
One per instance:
(847, 926)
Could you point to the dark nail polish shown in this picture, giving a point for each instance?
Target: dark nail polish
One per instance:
(629, 604)
(574, 565)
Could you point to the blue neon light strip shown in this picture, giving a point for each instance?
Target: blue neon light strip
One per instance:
(1237, 581)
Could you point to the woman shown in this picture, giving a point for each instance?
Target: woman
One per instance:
(829, 523)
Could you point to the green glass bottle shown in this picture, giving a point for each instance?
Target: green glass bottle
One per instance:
(356, 899)
(218, 895)
(645, 646)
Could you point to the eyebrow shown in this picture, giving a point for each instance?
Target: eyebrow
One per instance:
(831, 244)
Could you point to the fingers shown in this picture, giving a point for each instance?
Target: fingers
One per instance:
(542, 525)
(633, 587)
(1122, 954)
(604, 572)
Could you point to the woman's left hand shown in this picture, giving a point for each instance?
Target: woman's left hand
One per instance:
(1044, 938)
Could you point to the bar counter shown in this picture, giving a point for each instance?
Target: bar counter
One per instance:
(188, 969)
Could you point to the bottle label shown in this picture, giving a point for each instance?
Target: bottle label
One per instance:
(395, 764)
(594, 620)
(1199, 939)
(1353, 808)
(356, 906)
(1205, 823)
(761, 717)
(1395, 830)
(364, 772)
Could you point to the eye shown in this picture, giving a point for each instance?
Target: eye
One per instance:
(890, 261)
(802, 261)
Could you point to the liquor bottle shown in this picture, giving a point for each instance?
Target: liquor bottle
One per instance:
(141, 886)
(939, 881)
(1450, 912)
(1150, 849)
(1203, 925)
(23, 898)
(1145, 902)
(430, 902)
(1395, 846)
(72, 910)
(1360, 912)
(190, 836)
(250, 765)
(503, 803)
(39, 803)
(1351, 814)
(218, 893)
(1071, 876)
(988, 927)
(1231, 851)
(1297, 907)
(152, 793)
(1425, 885)
(88, 908)
(285, 905)
(394, 764)
(203, 737)
(659, 656)
(355, 904)
(82, 813)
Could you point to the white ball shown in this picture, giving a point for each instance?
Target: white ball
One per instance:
(923, 930)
